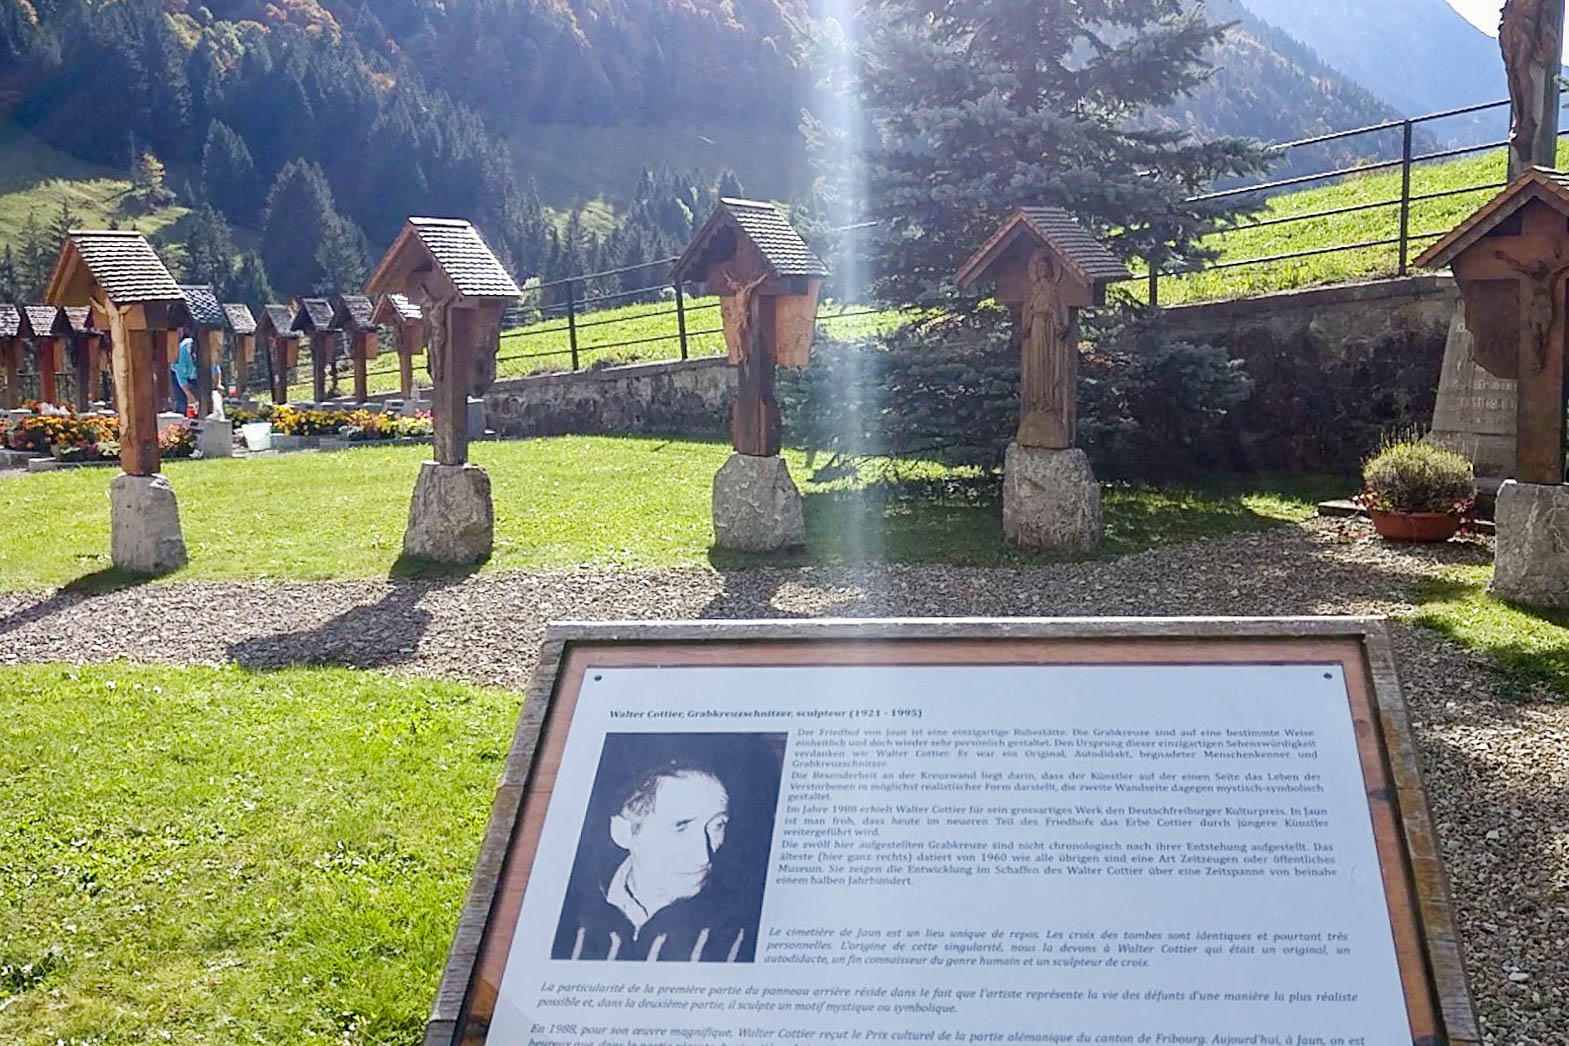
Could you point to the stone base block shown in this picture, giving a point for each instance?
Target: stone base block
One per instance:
(1531, 564)
(1050, 499)
(144, 525)
(474, 418)
(451, 519)
(215, 439)
(756, 505)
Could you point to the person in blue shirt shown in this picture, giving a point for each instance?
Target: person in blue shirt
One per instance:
(183, 371)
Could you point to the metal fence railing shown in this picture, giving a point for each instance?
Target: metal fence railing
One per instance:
(1408, 160)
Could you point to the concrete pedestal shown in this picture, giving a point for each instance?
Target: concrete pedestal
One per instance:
(451, 519)
(144, 524)
(1050, 500)
(756, 505)
(475, 417)
(1531, 564)
(215, 439)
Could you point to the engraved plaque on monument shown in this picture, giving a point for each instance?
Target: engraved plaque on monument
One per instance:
(1475, 410)
(1026, 831)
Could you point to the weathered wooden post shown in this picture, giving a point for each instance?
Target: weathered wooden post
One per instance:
(1045, 267)
(240, 327)
(38, 328)
(136, 300)
(1511, 260)
(768, 281)
(461, 287)
(351, 313)
(10, 355)
(313, 318)
(74, 327)
(397, 313)
(282, 345)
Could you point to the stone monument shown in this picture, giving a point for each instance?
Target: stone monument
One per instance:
(1474, 413)
(768, 281)
(1045, 267)
(444, 267)
(135, 299)
(1511, 260)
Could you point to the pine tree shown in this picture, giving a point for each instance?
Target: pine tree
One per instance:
(341, 257)
(64, 221)
(36, 261)
(730, 185)
(10, 281)
(299, 213)
(977, 106)
(209, 251)
(229, 180)
(250, 284)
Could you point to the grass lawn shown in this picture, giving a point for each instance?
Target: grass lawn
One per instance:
(559, 502)
(221, 856)
(602, 338)
(1531, 646)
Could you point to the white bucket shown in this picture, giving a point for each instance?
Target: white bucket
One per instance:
(258, 435)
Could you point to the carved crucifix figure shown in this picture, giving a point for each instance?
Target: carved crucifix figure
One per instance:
(1530, 38)
(1542, 280)
(1047, 377)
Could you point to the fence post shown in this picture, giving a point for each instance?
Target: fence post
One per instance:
(572, 321)
(681, 318)
(1154, 279)
(1405, 194)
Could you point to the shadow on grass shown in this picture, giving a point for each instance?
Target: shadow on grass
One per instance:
(97, 583)
(375, 635)
(962, 526)
(1530, 645)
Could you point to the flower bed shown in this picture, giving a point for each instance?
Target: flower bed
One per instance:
(93, 437)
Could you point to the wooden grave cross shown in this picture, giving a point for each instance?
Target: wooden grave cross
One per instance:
(1045, 267)
(445, 267)
(135, 299)
(1511, 260)
(768, 282)
(397, 313)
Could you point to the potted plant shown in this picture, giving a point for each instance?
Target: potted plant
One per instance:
(1417, 491)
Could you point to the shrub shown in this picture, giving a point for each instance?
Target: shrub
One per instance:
(1148, 406)
(1411, 475)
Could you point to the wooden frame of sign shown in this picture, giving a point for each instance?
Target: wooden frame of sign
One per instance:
(1437, 997)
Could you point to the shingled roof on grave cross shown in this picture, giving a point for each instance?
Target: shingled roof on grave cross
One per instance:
(74, 319)
(279, 319)
(314, 314)
(10, 321)
(38, 321)
(120, 263)
(782, 251)
(238, 318)
(1538, 183)
(352, 312)
(1054, 228)
(453, 248)
(397, 309)
(202, 304)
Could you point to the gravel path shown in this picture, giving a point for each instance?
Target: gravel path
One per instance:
(1497, 771)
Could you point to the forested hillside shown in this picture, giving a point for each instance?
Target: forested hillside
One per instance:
(318, 125)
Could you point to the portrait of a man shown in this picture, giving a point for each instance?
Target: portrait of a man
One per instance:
(673, 854)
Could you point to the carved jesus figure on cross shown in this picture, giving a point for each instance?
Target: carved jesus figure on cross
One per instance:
(1542, 278)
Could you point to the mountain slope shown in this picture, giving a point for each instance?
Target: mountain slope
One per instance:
(1420, 55)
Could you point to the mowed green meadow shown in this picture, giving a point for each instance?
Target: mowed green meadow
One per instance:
(212, 855)
(561, 502)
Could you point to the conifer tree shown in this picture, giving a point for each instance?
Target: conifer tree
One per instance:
(974, 107)
(36, 260)
(250, 284)
(341, 256)
(299, 213)
(10, 284)
(209, 251)
(229, 180)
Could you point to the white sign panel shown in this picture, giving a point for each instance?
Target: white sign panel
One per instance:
(1171, 854)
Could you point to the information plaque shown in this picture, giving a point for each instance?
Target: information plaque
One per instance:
(1143, 831)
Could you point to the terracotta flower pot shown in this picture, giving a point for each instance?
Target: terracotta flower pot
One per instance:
(1415, 526)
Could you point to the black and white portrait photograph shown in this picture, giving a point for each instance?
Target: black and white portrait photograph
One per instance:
(673, 853)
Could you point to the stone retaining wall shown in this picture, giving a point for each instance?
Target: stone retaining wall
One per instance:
(1333, 369)
(684, 396)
